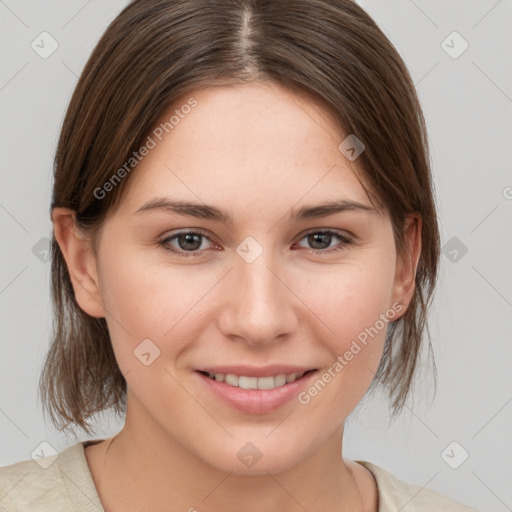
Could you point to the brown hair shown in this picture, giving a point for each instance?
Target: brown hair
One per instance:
(157, 50)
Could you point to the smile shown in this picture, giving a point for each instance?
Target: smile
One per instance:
(265, 391)
(245, 382)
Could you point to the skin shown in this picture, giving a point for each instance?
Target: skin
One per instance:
(179, 443)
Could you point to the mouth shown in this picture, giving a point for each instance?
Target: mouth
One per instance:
(262, 392)
(251, 382)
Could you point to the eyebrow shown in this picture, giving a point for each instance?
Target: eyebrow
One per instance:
(204, 211)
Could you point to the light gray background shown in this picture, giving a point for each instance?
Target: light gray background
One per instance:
(467, 103)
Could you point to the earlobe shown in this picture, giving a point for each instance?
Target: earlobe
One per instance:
(407, 263)
(80, 261)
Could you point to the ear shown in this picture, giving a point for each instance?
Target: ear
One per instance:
(80, 261)
(407, 262)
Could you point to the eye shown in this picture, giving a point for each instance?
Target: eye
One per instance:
(185, 243)
(321, 241)
(191, 243)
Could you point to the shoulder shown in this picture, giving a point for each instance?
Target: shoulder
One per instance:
(59, 482)
(396, 495)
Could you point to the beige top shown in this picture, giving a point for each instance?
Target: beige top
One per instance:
(66, 485)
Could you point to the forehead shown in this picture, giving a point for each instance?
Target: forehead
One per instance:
(256, 145)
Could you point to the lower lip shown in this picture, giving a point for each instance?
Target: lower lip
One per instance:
(257, 401)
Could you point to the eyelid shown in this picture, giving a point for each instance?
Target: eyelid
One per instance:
(345, 237)
(340, 232)
(163, 241)
(185, 231)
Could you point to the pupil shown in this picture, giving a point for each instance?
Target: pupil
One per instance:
(188, 238)
(317, 237)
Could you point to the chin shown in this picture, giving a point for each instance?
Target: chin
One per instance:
(274, 464)
(255, 458)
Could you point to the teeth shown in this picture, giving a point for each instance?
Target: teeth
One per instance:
(267, 382)
(248, 382)
(291, 377)
(245, 382)
(280, 380)
(231, 379)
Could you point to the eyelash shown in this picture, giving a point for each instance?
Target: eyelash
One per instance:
(345, 240)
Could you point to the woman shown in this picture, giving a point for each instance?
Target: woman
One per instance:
(245, 243)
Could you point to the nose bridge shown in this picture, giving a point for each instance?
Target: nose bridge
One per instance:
(260, 308)
(258, 281)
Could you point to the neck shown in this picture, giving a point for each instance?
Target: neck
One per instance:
(143, 468)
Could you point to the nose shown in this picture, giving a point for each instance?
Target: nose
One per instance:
(258, 307)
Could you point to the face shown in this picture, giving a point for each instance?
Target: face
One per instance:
(255, 281)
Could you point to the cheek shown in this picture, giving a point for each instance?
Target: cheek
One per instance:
(356, 306)
(147, 300)
(352, 297)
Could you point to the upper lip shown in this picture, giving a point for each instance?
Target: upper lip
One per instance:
(255, 371)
